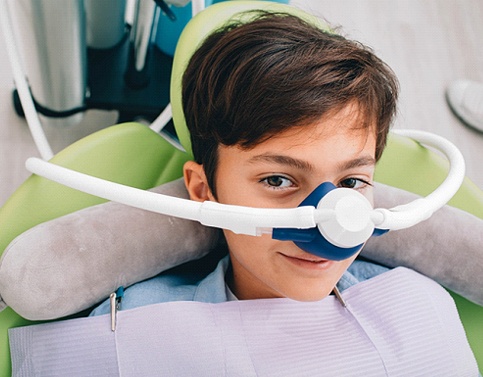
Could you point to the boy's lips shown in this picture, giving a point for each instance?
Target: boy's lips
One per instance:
(308, 261)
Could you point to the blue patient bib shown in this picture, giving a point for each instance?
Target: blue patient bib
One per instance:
(396, 324)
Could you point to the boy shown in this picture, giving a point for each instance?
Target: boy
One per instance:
(275, 107)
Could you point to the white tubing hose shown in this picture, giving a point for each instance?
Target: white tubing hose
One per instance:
(410, 214)
(243, 220)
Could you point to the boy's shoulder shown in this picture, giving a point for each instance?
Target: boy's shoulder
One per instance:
(174, 285)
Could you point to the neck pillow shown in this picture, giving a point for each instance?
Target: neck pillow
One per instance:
(69, 264)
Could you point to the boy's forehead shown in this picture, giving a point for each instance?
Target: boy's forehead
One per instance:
(348, 123)
(333, 140)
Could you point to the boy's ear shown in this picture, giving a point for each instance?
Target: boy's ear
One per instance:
(196, 182)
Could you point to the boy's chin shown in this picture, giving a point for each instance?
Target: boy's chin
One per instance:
(310, 296)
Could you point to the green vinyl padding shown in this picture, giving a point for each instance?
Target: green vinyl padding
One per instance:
(129, 153)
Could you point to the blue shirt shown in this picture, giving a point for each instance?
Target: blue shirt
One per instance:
(181, 285)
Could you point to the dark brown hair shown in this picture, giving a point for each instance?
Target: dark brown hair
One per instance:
(250, 81)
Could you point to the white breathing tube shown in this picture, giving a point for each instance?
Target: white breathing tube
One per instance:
(245, 220)
(254, 221)
(407, 215)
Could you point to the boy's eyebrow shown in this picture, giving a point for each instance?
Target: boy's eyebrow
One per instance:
(306, 166)
(284, 160)
(357, 162)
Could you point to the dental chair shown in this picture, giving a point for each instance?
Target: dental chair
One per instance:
(136, 156)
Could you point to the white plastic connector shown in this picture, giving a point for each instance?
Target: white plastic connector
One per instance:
(251, 221)
(352, 224)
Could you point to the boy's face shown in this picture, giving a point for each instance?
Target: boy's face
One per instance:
(282, 172)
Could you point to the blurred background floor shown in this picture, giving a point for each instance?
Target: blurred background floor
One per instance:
(428, 44)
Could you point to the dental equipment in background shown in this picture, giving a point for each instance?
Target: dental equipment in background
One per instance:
(102, 88)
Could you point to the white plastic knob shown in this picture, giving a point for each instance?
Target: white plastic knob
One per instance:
(352, 224)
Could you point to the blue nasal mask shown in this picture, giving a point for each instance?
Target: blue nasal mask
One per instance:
(332, 223)
(313, 241)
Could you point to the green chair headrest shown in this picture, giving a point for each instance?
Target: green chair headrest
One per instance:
(198, 29)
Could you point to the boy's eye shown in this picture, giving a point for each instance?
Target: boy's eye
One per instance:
(277, 181)
(353, 183)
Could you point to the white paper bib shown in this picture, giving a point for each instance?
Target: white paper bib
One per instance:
(396, 324)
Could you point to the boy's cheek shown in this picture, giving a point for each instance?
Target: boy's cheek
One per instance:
(368, 192)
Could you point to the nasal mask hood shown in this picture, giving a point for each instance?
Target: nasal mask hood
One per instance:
(344, 224)
(332, 223)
